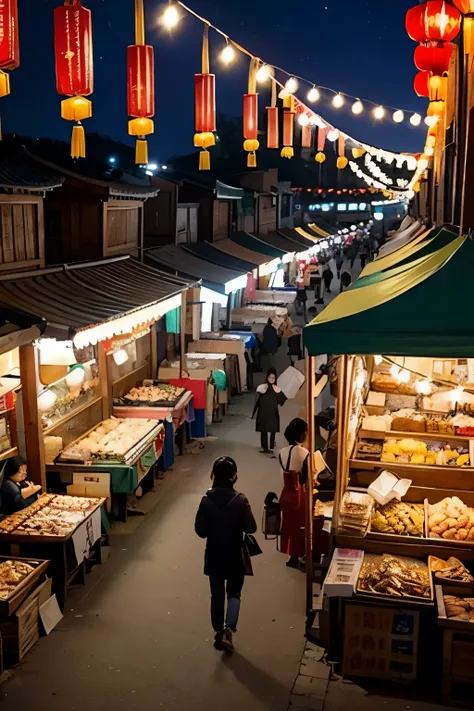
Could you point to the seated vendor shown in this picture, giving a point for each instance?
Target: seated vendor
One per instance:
(16, 492)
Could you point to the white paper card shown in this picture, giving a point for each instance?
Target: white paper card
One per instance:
(387, 487)
(50, 614)
(86, 535)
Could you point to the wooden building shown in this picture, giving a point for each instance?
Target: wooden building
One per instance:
(23, 187)
(92, 218)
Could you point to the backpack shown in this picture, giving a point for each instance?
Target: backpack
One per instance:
(271, 522)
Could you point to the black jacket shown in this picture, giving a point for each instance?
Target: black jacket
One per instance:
(11, 498)
(223, 517)
(270, 339)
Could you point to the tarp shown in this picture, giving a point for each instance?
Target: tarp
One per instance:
(415, 230)
(184, 262)
(420, 311)
(274, 239)
(295, 236)
(207, 251)
(237, 250)
(256, 244)
(428, 242)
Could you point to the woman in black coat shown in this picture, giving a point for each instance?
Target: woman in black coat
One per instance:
(269, 399)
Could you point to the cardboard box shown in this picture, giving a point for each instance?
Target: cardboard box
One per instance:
(343, 574)
(94, 485)
(20, 632)
(375, 404)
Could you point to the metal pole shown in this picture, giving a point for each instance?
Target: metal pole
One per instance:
(310, 378)
(340, 414)
(182, 333)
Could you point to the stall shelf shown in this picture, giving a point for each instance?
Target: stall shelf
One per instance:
(405, 316)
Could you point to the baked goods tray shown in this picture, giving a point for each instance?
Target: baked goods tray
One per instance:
(152, 403)
(373, 558)
(129, 458)
(20, 592)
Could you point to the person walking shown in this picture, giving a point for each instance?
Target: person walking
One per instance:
(223, 517)
(294, 345)
(339, 263)
(294, 465)
(328, 276)
(363, 257)
(270, 341)
(346, 281)
(269, 399)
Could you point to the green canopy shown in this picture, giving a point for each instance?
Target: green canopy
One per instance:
(257, 245)
(422, 310)
(405, 256)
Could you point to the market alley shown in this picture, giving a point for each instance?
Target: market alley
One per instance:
(139, 635)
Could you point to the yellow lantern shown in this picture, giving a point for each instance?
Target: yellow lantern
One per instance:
(320, 157)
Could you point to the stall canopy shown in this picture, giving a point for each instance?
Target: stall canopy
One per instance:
(428, 242)
(237, 250)
(93, 301)
(18, 328)
(257, 245)
(207, 251)
(274, 239)
(217, 278)
(419, 311)
(402, 238)
(302, 242)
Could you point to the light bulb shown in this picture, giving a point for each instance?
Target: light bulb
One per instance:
(411, 162)
(338, 101)
(403, 376)
(394, 370)
(378, 359)
(456, 395)
(429, 151)
(303, 120)
(379, 112)
(422, 165)
(398, 116)
(313, 120)
(291, 85)
(431, 121)
(313, 95)
(415, 120)
(357, 107)
(227, 55)
(263, 73)
(332, 135)
(423, 387)
(170, 17)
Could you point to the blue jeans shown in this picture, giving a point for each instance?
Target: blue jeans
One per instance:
(219, 618)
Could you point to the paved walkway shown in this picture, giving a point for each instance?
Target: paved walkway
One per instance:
(138, 637)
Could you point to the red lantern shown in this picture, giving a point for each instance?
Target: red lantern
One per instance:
(204, 106)
(272, 127)
(465, 6)
(421, 84)
(250, 117)
(434, 58)
(442, 21)
(415, 23)
(140, 87)
(9, 40)
(288, 130)
(74, 67)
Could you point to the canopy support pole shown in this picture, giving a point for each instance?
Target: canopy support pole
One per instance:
(341, 414)
(31, 418)
(182, 334)
(310, 380)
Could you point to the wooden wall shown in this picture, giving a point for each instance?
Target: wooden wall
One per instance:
(123, 227)
(21, 232)
(220, 219)
(160, 215)
(73, 229)
(267, 214)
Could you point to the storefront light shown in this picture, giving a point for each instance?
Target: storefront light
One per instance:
(325, 208)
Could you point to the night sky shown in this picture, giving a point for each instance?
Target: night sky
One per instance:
(358, 47)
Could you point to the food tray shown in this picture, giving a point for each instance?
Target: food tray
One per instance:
(369, 557)
(400, 536)
(21, 591)
(467, 588)
(371, 456)
(443, 619)
(153, 403)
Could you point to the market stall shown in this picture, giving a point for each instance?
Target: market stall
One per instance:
(403, 520)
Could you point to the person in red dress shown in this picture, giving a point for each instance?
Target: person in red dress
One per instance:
(294, 464)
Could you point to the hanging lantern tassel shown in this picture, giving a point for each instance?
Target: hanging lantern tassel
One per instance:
(320, 157)
(288, 130)
(251, 143)
(272, 120)
(74, 67)
(342, 161)
(358, 152)
(204, 106)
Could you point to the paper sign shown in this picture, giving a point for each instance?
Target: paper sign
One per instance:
(86, 535)
(50, 614)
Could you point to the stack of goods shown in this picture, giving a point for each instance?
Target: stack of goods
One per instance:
(369, 449)
(400, 518)
(443, 425)
(412, 451)
(394, 575)
(408, 420)
(377, 423)
(463, 425)
(387, 383)
(12, 573)
(323, 509)
(356, 509)
(452, 570)
(52, 448)
(111, 440)
(51, 515)
(452, 520)
(164, 392)
(459, 608)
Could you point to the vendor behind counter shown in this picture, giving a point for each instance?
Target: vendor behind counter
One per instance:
(16, 491)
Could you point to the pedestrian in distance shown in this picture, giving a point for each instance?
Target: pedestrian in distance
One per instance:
(339, 263)
(223, 517)
(363, 259)
(294, 465)
(328, 276)
(346, 280)
(266, 409)
(270, 341)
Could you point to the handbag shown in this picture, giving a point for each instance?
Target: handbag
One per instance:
(271, 521)
(250, 543)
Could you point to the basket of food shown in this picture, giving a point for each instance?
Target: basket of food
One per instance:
(154, 394)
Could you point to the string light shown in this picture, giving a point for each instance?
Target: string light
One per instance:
(313, 95)
(415, 119)
(338, 101)
(394, 370)
(429, 151)
(398, 116)
(378, 359)
(423, 387)
(403, 376)
(357, 107)
(263, 73)
(303, 120)
(456, 395)
(227, 55)
(431, 121)
(332, 135)
(170, 17)
(379, 112)
(291, 85)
